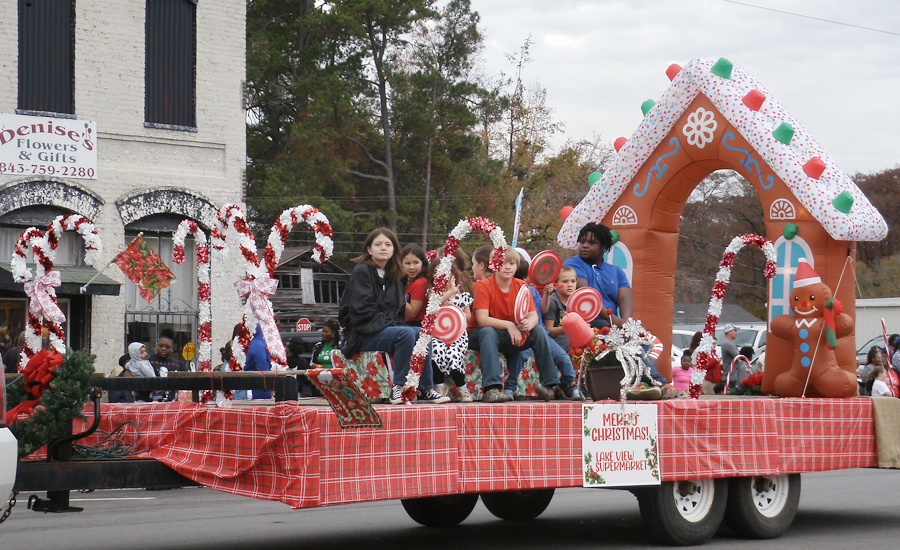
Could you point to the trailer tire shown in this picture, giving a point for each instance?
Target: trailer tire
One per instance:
(684, 513)
(440, 511)
(762, 507)
(518, 505)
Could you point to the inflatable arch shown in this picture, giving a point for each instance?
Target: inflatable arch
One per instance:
(714, 116)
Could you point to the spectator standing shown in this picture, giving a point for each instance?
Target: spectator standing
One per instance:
(139, 367)
(121, 396)
(879, 387)
(163, 358)
(729, 348)
(11, 358)
(873, 359)
(740, 366)
(258, 360)
(681, 375)
(331, 337)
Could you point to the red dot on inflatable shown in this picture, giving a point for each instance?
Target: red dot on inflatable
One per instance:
(754, 100)
(565, 211)
(620, 141)
(673, 71)
(814, 167)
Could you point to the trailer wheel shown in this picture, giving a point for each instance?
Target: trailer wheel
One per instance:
(762, 507)
(685, 512)
(441, 511)
(518, 505)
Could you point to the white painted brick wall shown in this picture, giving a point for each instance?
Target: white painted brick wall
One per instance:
(109, 88)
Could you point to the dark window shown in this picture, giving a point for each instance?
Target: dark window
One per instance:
(170, 63)
(47, 56)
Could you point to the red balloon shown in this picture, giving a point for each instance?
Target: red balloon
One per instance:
(564, 213)
(620, 141)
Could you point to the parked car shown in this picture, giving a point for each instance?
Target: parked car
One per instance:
(681, 340)
(309, 340)
(749, 334)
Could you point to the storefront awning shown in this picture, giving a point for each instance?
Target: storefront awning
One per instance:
(73, 278)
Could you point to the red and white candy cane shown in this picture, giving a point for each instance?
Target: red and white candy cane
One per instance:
(43, 309)
(441, 278)
(706, 353)
(256, 287)
(204, 334)
(283, 226)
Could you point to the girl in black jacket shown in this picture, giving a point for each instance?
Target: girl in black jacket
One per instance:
(373, 314)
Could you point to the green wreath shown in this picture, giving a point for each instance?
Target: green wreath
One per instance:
(60, 404)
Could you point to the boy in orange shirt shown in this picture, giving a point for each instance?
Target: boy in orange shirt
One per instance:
(497, 332)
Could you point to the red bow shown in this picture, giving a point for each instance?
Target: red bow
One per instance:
(37, 376)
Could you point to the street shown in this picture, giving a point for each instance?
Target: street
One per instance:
(838, 510)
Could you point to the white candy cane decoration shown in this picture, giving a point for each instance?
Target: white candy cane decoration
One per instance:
(257, 287)
(283, 226)
(43, 309)
(204, 334)
(441, 278)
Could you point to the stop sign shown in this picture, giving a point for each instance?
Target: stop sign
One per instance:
(303, 325)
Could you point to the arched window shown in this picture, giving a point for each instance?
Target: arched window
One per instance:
(789, 254)
(620, 256)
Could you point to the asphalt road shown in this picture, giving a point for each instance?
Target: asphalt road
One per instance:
(857, 509)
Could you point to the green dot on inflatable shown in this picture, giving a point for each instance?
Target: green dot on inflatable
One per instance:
(615, 235)
(784, 133)
(594, 178)
(790, 231)
(647, 105)
(722, 68)
(843, 202)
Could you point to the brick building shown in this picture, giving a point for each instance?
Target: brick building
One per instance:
(158, 85)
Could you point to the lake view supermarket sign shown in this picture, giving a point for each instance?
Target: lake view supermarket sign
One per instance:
(619, 445)
(44, 146)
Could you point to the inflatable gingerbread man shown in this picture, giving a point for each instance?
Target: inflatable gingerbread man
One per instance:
(814, 328)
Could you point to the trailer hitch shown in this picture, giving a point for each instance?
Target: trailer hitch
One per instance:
(51, 504)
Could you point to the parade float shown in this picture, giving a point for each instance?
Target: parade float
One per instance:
(691, 463)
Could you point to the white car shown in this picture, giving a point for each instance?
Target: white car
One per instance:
(9, 451)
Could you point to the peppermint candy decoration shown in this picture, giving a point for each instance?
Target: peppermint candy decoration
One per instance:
(43, 309)
(706, 354)
(449, 324)
(586, 302)
(204, 329)
(544, 268)
(441, 278)
(523, 297)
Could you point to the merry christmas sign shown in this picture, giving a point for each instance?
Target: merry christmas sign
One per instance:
(619, 445)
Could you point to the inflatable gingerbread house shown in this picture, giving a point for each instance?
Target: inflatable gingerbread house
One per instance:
(715, 116)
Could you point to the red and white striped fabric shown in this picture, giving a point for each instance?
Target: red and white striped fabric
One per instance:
(298, 455)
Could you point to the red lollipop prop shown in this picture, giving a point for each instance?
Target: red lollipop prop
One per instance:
(586, 302)
(544, 268)
(449, 324)
(523, 303)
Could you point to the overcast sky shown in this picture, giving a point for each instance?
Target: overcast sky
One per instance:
(599, 60)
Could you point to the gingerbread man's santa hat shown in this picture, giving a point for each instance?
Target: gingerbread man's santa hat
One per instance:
(806, 275)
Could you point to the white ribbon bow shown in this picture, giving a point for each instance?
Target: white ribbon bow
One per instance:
(42, 305)
(257, 291)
